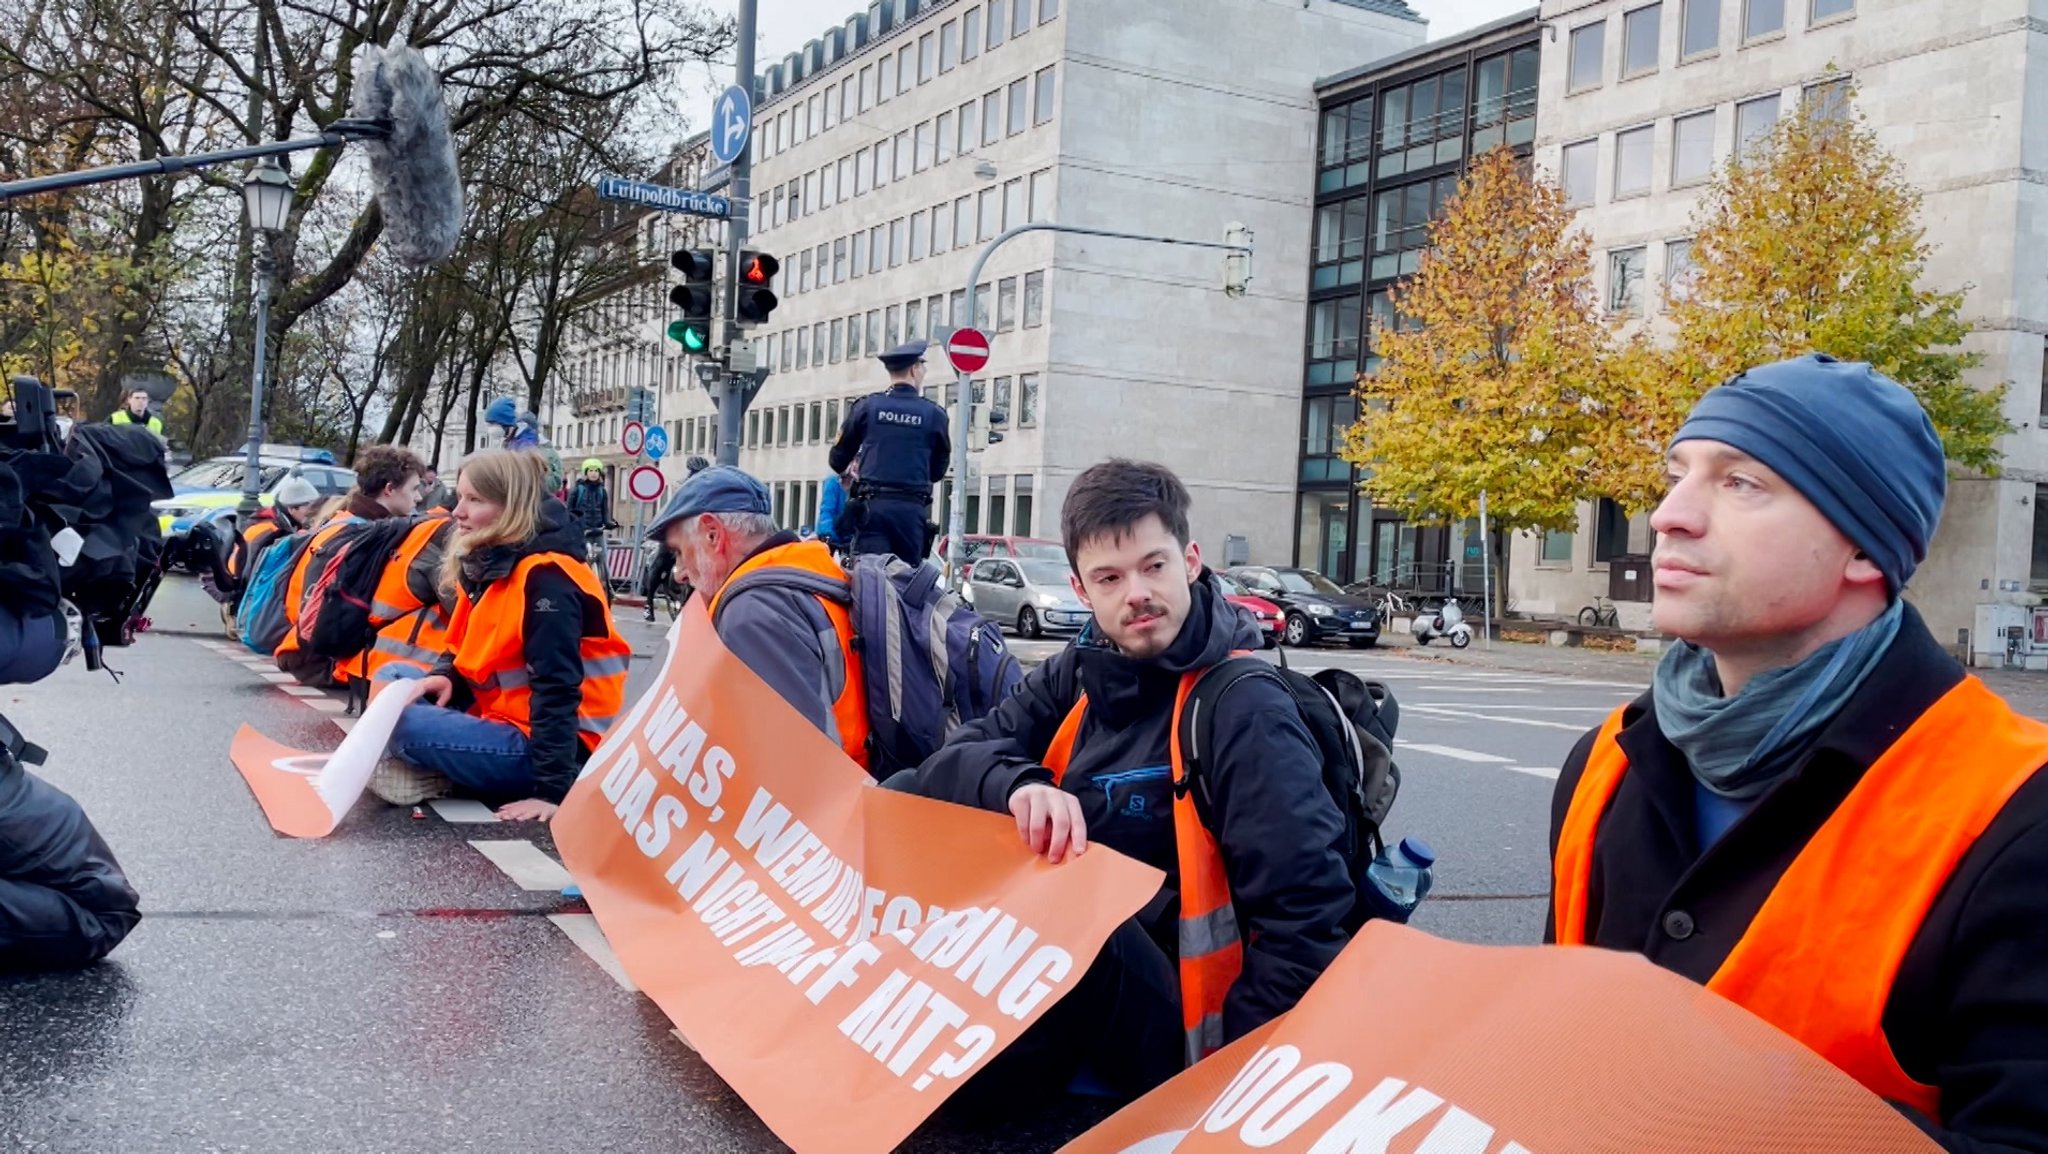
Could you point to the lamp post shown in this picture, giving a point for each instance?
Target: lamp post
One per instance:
(267, 195)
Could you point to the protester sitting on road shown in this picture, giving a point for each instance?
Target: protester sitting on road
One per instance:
(719, 523)
(389, 481)
(1814, 810)
(535, 669)
(294, 505)
(1246, 950)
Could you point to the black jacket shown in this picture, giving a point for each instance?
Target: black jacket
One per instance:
(592, 506)
(558, 616)
(900, 439)
(1969, 1006)
(64, 901)
(1276, 825)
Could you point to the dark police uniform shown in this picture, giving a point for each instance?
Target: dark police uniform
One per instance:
(903, 447)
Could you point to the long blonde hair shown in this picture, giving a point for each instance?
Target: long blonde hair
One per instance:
(512, 479)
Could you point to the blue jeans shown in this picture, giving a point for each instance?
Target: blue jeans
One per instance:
(485, 759)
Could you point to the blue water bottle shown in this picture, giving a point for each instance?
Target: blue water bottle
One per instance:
(1399, 878)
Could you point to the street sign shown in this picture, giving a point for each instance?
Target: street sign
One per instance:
(968, 350)
(731, 119)
(657, 443)
(634, 436)
(663, 197)
(646, 483)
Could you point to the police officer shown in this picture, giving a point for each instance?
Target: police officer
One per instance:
(900, 442)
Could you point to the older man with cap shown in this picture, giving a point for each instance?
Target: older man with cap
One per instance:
(1814, 811)
(901, 446)
(756, 580)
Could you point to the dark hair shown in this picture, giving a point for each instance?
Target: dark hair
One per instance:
(381, 466)
(1109, 499)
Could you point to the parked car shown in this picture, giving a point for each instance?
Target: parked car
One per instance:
(979, 545)
(1029, 594)
(211, 489)
(1272, 621)
(1316, 608)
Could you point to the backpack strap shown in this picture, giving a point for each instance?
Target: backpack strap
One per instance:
(785, 577)
(1196, 724)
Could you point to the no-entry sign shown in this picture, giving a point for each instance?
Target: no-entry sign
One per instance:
(646, 483)
(968, 350)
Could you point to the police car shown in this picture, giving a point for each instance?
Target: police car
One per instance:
(210, 490)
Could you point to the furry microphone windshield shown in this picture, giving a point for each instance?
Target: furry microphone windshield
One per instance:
(413, 172)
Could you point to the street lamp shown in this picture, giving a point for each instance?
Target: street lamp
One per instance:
(267, 195)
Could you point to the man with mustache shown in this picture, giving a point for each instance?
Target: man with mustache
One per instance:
(1209, 959)
(1815, 811)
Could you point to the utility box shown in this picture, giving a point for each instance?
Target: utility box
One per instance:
(2004, 637)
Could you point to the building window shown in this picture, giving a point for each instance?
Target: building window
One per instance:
(1625, 281)
(1322, 430)
(956, 307)
(838, 341)
(1013, 203)
(885, 161)
(1632, 161)
(754, 429)
(1827, 101)
(1589, 47)
(924, 152)
(942, 228)
(1027, 400)
(789, 349)
(1048, 9)
(782, 425)
(913, 321)
(943, 131)
(992, 117)
(1692, 148)
(984, 306)
(920, 234)
(886, 72)
(989, 212)
(1761, 18)
(1340, 244)
(934, 313)
(1041, 195)
(861, 169)
(892, 327)
(1580, 160)
(906, 64)
(997, 22)
(1829, 9)
(1333, 336)
(998, 503)
(1610, 531)
(903, 155)
(1042, 96)
(832, 417)
(1346, 154)
(898, 244)
(970, 128)
(860, 255)
(1006, 304)
(1034, 299)
(878, 248)
(1002, 397)
(817, 421)
(927, 57)
(1020, 486)
(803, 272)
(949, 46)
(839, 260)
(963, 222)
(1557, 547)
(1680, 272)
(1754, 120)
(970, 35)
(1401, 219)
(1422, 124)
(1504, 105)
(853, 338)
(1700, 31)
(1325, 532)
(1640, 39)
(2039, 572)
(1020, 106)
(874, 327)
(1021, 18)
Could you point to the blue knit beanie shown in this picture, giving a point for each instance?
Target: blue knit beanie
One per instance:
(1854, 442)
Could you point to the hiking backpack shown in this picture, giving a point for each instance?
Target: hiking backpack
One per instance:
(260, 617)
(1353, 722)
(931, 662)
(337, 619)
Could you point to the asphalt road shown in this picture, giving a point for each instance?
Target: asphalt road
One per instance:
(423, 985)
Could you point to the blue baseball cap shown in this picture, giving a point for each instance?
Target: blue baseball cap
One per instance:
(719, 489)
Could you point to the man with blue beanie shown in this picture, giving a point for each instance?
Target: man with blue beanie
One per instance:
(1814, 811)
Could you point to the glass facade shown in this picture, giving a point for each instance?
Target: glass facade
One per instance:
(1389, 151)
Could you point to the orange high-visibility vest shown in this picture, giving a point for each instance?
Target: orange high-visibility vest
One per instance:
(295, 587)
(1211, 949)
(415, 631)
(488, 637)
(1819, 958)
(850, 708)
(252, 540)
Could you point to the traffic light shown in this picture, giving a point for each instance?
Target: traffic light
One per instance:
(756, 298)
(694, 297)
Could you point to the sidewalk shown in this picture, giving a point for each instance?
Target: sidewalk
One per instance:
(1523, 657)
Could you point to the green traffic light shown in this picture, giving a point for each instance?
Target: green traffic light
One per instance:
(694, 338)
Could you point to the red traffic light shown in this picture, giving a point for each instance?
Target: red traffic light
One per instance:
(758, 268)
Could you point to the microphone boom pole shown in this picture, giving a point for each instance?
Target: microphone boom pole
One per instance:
(335, 135)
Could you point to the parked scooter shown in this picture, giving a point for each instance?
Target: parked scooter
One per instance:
(1447, 622)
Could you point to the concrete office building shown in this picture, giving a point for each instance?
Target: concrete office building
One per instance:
(1641, 101)
(889, 150)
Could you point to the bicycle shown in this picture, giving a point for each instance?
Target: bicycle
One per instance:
(1601, 612)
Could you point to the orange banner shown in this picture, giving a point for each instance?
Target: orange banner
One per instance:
(1413, 1045)
(843, 956)
(305, 793)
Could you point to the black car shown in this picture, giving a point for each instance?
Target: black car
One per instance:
(1317, 608)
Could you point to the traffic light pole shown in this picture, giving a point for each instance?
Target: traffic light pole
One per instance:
(963, 412)
(735, 390)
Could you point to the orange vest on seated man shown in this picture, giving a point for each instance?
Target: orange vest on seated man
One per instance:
(849, 708)
(1824, 954)
(266, 528)
(409, 600)
(288, 656)
(487, 647)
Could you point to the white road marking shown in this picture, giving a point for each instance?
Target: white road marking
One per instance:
(1533, 771)
(1601, 709)
(463, 810)
(297, 690)
(281, 679)
(1490, 688)
(525, 863)
(1439, 711)
(1453, 752)
(582, 929)
(326, 704)
(344, 724)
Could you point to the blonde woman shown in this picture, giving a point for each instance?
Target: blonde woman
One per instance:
(535, 669)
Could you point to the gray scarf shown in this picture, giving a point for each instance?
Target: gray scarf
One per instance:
(1740, 746)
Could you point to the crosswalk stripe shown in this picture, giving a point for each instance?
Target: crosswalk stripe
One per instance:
(1453, 752)
(326, 704)
(1534, 771)
(583, 930)
(463, 811)
(525, 863)
(300, 690)
(1438, 711)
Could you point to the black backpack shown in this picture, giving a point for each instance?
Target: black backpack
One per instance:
(338, 619)
(1353, 722)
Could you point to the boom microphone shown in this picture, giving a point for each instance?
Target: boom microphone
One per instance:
(412, 171)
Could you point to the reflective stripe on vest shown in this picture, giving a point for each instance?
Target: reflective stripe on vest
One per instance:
(488, 638)
(842, 665)
(1819, 958)
(410, 633)
(1211, 945)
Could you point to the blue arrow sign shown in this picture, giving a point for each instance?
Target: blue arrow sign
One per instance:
(731, 119)
(656, 444)
(663, 197)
